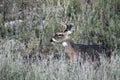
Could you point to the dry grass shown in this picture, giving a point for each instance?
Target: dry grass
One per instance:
(26, 27)
(57, 69)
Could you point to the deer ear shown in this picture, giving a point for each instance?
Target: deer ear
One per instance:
(70, 28)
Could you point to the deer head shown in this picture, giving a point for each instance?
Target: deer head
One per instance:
(63, 34)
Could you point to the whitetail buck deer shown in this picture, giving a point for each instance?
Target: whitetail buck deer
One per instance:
(83, 52)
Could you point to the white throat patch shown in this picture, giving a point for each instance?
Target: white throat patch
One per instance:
(64, 44)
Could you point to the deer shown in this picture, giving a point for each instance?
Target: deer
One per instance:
(75, 51)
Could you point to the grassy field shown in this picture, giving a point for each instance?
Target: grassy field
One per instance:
(26, 27)
(57, 70)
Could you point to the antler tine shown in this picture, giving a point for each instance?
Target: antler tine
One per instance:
(64, 26)
(65, 23)
(62, 29)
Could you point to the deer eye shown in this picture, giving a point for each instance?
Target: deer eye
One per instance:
(60, 35)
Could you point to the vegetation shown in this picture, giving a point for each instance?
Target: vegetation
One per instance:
(26, 27)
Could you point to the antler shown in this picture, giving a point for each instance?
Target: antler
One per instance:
(67, 27)
(64, 26)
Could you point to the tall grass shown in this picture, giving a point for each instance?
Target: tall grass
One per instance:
(26, 27)
(58, 70)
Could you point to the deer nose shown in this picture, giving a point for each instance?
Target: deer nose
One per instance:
(51, 40)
